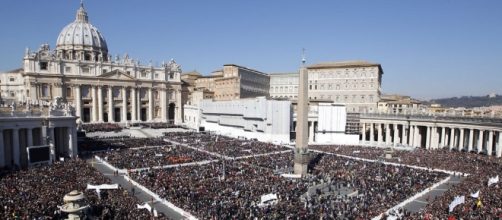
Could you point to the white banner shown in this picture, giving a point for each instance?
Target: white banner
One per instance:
(457, 201)
(475, 195)
(493, 180)
(103, 186)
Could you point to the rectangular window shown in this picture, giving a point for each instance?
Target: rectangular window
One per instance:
(143, 74)
(156, 75)
(44, 65)
(67, 69)
(85, 70)
(68, 92)
(12, 79)
(45, 90)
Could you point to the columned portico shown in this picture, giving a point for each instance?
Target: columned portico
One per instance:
(15, 147)
(94, 104)
(364, 132)
(100, 104)
(29, 137)
(150, 104)
(380, 136)
(499, 145)
(372, 133)
(404, 136)
(110, 104)
(489, 146)
(461, 140)
(123, 117)
(387, 134)
(428, 138)
(396, 134)
(480, 141)
(2, 150)
(443, 137)
(471, 140)
(78, 101)
(134, 104)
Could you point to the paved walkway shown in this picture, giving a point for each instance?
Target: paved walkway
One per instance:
(141, 195)
(419, 203)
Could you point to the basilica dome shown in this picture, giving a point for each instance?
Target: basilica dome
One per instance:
(80, 40)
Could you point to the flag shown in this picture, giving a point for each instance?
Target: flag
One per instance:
(457, 201)
(475, 195)
(479, 204)
(493, 180)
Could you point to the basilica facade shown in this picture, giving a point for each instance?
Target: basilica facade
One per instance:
(100, 87)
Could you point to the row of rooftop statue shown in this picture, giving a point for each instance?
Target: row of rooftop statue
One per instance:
(57, 105)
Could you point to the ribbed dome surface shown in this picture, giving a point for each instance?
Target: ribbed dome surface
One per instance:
(82, 34)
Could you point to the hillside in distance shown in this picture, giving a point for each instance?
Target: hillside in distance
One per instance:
(469, 101)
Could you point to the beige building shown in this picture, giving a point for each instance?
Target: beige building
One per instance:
(398, 104)
(12, 86)
(355, 84)
(284, 86)
(100, 87)
(239, 82)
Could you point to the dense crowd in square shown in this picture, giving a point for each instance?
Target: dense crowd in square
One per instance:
(148, 157)
(223, 145)
(37, 192)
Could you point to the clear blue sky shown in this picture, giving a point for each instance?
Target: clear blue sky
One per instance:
(427, 48)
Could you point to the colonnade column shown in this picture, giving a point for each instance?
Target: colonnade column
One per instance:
(443, 137)
(404, 140)
(163, 104)
(480, 141)
(311, 132)
(461, 141)
(140, 103)
(150, 104)
(94, 104)
(412, 135)
(110, 104)
(489, 147)
(471, 140)
(134, 103)
(15, 147)
(452, 138)
(100, 103)
(372, 133)
(418, 137)
(428, 138)
(2, 150)
(72, 141)
(434, 138)
(29, 138)
(364, 132)
(396, 134)
(78, 102)
(499, 145)
(123, 118)
(52, 144)
(380, 135)
(387, 134)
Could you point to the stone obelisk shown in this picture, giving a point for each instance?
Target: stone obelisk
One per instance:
(302, 109)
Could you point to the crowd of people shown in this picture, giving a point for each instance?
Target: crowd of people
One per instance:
(226, 146)
(104, 127)
(480, 168)
(232, 189)
(89, 145)
(37, 192)
(147, 157)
